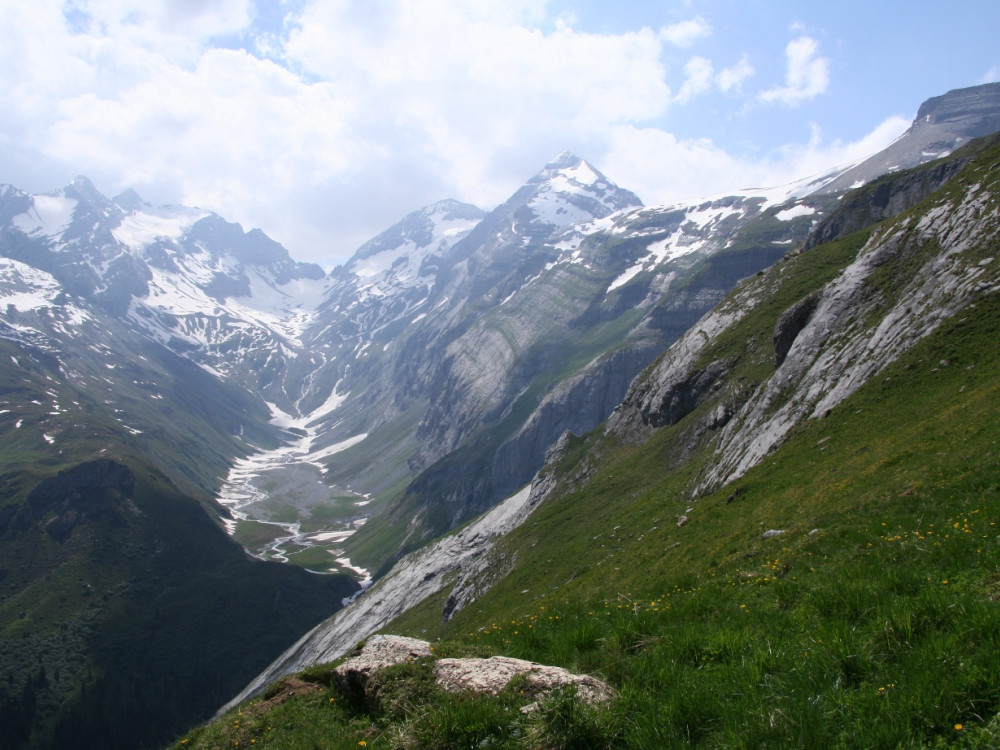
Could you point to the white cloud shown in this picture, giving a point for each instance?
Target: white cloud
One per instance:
(467, 93)
(992, 75)
(731, 79)
(806, 76)
(686, 33)
(361, 112)
(661, 168)
(699, 76)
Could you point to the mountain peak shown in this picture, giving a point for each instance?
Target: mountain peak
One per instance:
(563, 160)
(84, 189)
(943, 123)
(973, 110)
(424, 229)
(129, 200)
(570, 190)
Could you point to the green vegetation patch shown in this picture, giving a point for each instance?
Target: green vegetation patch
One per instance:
(409, 712)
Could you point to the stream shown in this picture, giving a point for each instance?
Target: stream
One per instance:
(284, 488)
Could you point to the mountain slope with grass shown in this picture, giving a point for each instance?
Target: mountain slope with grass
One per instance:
(116, 586)
(786, 536)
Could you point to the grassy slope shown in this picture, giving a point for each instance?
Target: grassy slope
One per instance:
(146, 617)
(871, 621)
(562, 353)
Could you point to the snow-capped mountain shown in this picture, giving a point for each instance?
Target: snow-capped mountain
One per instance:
(230, 300)
(533, 322)
(456, 346)
(366, 412)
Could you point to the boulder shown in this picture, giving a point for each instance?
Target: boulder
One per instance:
(493, 675)
(380, 651)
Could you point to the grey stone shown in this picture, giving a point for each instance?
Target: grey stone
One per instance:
(354, 675)
(494, 674)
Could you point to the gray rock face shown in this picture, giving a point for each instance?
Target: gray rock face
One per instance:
(943, 123)
(380, 651)
(858, 328)
(972, 112)
(494, 674)
(939, 260)
(791, 322)
(883, 199)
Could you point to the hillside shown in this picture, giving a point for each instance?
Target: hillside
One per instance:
(117, 580)
(785, 536)
(178, 397)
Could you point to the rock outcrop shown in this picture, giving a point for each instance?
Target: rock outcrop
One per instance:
(790, 324)
(942, 124)
(353, 676)
(492, 675)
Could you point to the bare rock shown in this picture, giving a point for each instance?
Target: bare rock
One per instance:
(378, 652)
(790, 324)
(492, 676)
(355, 676)
(770, 533)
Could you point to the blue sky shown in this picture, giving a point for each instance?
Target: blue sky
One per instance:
(324, 121)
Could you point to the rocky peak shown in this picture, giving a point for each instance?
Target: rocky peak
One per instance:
(943, 123)
(82, 188)
(569, 190)
(130, 200)
(971, 112)
(426, 228)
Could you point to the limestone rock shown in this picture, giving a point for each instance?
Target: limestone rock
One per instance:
(380, 651)
(790, 324)
(493, 675)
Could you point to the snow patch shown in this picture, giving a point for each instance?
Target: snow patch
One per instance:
(143, 228)
(49, 216)
(794, 212)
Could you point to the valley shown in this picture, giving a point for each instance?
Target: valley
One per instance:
(487, 426)
(280, 509)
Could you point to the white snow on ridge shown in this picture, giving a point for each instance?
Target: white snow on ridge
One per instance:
(143, 228)
(182, 308)
(551, 207)
(626, 276)
(679, 242)
(48, 217)
(552, 204)
(25, 287)
(286, 309)
(398, 268)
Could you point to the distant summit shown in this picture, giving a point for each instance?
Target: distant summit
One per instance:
(943, 123)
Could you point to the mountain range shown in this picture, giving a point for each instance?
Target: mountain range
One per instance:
(176, 387)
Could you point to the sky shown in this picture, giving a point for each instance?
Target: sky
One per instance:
(323, 122)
